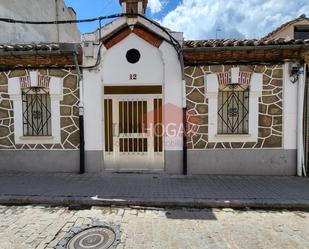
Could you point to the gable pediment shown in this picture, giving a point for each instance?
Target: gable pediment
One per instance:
(138, 29)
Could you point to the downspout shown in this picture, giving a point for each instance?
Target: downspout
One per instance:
(81, 118)
(184, 140)
(184, 119)
(300, 115)
(305, 124)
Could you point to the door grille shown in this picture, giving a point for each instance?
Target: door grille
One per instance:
(133, 145)
(132, 123)
(132, 117)
(158, 128)
(108, 117)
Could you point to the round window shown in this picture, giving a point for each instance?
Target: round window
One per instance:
(133, 55)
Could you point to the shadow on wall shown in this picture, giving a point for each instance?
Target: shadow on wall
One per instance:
(204, 214)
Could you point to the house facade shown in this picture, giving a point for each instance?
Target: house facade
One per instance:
(137, 97)
(39, 108)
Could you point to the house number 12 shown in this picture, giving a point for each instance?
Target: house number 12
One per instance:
(133, 76)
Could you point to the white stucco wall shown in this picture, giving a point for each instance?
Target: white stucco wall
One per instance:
(34, 10)
(290, 96)
(157, 66)
(116, 69)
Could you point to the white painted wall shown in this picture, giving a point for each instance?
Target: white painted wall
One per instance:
(173, 91)
(93, 110)
(34, 10)
(289, 110)
(116, 69)
(159, 66)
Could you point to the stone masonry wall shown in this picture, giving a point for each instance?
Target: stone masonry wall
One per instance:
(270, 107)
(68, 112)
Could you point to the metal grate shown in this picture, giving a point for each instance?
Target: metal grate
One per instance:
(108, 117)
(132, 117)
(36, 112)
(95, 235)
(132, 126)
(133, 145)
(158, 129)
(96, 238)
(233, 111)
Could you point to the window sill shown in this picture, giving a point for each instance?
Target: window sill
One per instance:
(36, 140)
(232, 135)
(232, 138)
(36, 137)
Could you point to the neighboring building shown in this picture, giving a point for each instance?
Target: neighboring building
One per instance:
(34, 10)
(241, 102)
(39, 127)
(295, 29)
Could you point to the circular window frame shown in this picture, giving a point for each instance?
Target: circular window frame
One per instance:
(133, 56)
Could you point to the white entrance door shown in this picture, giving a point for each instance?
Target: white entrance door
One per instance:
(133, 133)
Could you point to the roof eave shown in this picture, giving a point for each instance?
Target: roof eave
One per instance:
(244, 55)
(61, 57)
(62, 48)
(244, 48)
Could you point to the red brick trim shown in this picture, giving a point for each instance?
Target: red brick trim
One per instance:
(117, 37)
(150, 37)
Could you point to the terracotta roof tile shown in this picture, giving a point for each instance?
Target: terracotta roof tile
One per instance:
(213, 43)
(30, 47)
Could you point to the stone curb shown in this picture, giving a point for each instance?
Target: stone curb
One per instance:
(154, 202)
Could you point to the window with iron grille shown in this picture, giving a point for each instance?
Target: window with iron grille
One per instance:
(36, 112)
(233, 110)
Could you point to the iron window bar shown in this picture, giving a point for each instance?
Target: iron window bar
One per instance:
(233, 109)
(36, 112)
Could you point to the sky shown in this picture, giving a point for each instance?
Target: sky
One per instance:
(205, 19)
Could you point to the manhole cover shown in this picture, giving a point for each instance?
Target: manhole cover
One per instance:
(93, 238)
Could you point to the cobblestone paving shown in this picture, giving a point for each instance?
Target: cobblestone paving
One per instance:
(43, 227)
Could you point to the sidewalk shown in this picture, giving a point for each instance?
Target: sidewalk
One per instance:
(155, 190)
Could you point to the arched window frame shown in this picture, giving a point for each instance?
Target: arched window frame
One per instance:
(36, 111)
(233, 109)
(212, 93)
(15, 91)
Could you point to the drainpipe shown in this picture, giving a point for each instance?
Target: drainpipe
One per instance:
(305, 125)
(184, 119)
(300, 115)
(81, 118)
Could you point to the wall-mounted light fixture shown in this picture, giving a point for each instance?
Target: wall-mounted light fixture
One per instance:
(294, 72)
